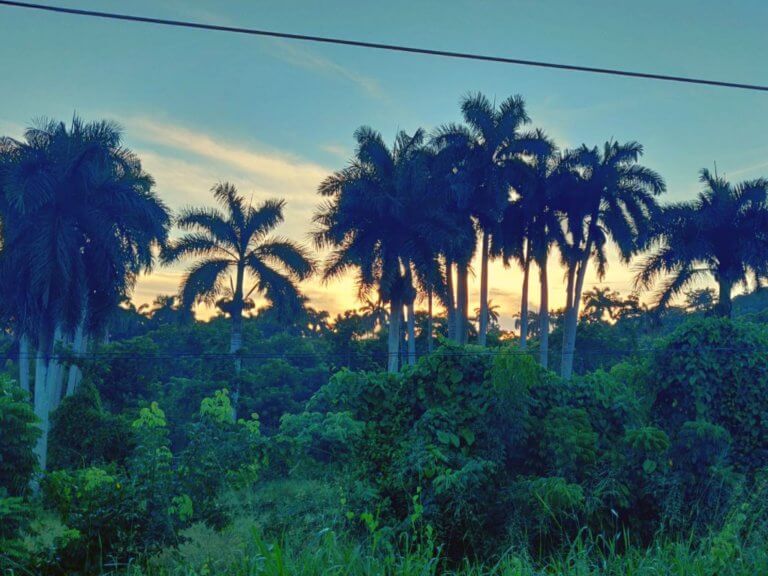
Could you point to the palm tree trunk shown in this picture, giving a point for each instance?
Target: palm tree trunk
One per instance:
(524, 305)
(411, 335)
(724, 305)
(544, 314)
(403, 335)
(47, 391)
(42, 405)
(572, 313)
(236, 338)
(483, 321)
(24, 362)
(78, 348)
(430, 330)
(451, 304)
(462, 304)
(393, 338)
(55, 373)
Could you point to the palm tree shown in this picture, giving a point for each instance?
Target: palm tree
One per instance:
(490, 146)
(602, 302)
(237, 241)
(530, 226)
(375, 314)
(368, 223)
(493, 313)
(700, 300)
(80, 223)
(613, 200)
(721, 234)
(533, 323)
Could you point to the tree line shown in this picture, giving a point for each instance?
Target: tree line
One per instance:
(81, 220)
(410, 218)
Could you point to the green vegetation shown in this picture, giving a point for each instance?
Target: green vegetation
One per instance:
(386, 440)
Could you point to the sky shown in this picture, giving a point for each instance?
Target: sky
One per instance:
(275, 117)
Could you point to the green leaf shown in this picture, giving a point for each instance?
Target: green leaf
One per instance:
(468, 435)
(649, 466)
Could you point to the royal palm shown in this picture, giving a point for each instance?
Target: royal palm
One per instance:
(234, 245)
(722, 234)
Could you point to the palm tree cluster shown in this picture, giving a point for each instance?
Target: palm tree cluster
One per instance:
(80, 222)
(410, 219)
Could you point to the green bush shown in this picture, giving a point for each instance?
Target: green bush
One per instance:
(716, 369)
(84, 434)
(18, 434)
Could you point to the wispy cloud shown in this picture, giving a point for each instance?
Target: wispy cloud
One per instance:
(336, 150)
(748, 169)
(286, 172)
(309, 60)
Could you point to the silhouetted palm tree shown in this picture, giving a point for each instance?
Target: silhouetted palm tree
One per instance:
(490, 146)
(616, 198)
(722, 234)
(602, 302)
(236, 241)
(368, 222)
(80, 223)
(529, 228)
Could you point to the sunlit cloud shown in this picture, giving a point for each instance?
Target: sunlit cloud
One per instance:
(284, 171)
(337, 150)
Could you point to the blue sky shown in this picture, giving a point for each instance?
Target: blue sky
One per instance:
(275, 116)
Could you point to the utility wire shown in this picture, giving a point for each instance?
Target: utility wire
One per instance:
(108, 355)
(384, 46)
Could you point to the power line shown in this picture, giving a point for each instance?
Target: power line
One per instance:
(384, 46)
(370, 354)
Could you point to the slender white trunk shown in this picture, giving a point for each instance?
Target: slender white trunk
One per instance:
(572, 314)
(55, 372)
(544, 315)
(78, 349)
(524, 305)
(462, 303)
(236, 339)
(429, 322)
(451, 304)
(42, 406)
(393, 338)
(24, 362)
(411, 335)
(483, 321)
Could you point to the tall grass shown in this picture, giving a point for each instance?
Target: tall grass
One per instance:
(331, 555)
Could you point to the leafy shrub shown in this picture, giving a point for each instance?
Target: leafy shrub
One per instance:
(84, 434)
(716, 369)
(18, 434)
(569, 444)
(18, 425)
(220, 453)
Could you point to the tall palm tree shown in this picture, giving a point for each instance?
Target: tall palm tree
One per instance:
(530, 226)
(491, 145)
(81, 221)
(618, 197)
(367, 222)
(722, 234)
(235, 243)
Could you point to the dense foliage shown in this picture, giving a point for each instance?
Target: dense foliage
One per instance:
(471, 453)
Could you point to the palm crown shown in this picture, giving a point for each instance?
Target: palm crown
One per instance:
(722, 233)
(81, 221)
(238, 240)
